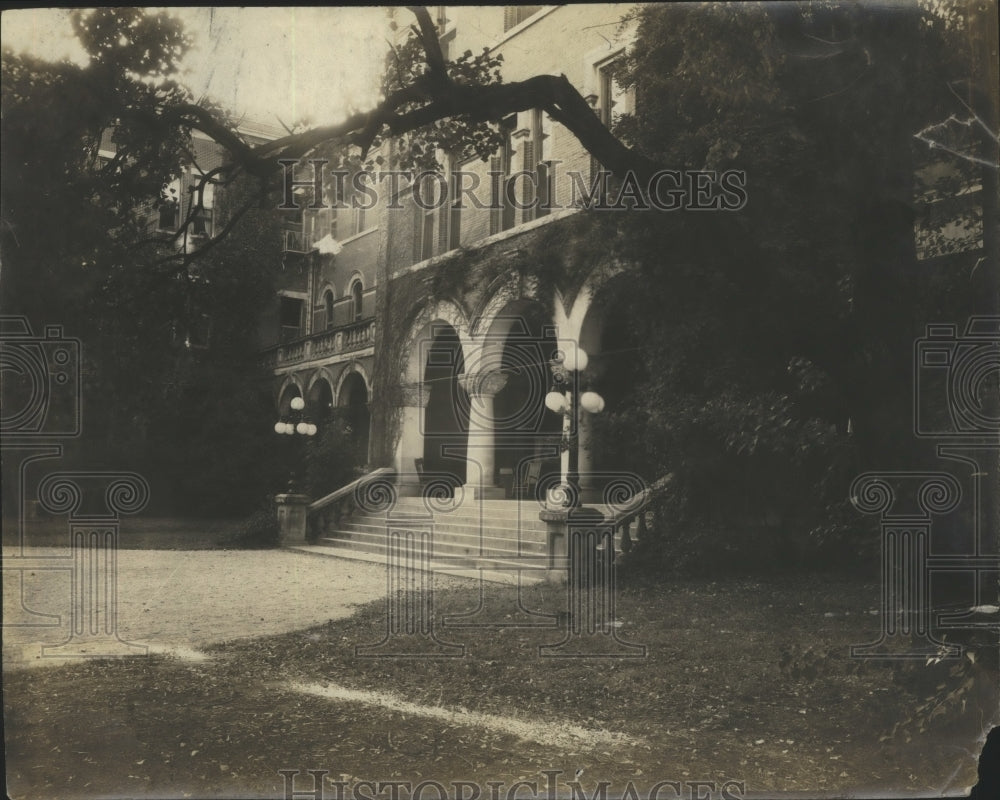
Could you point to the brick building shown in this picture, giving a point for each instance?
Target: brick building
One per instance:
(465, 393)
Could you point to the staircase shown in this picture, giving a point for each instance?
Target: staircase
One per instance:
(497, 540)
(494, 535)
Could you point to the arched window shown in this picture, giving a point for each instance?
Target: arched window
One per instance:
(328, 307)
(356, 299)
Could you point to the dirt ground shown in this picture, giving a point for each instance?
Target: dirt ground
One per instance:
(742, 680)
(178, 601)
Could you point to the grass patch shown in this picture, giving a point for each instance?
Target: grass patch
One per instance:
(743, 680)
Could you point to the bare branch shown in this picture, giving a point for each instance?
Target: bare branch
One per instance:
(186, 258)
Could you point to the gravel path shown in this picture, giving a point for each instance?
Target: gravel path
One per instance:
(180, 600)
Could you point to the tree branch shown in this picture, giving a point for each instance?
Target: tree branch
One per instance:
(443, 99)
(427, 35)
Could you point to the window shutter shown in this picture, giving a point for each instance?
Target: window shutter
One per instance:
(496, 195)
(507, 218)
(455, 228)
(527, 214)
(418, 227)
(443, 214)
(544, 189)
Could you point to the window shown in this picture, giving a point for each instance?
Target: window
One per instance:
(170, 208)
(441, 18)
(290, 316)
(613, 101)
(423, 218)
(515, 15)
(450, 214)
(502, 188)
(328, 308)
(169, 216)
(295, 216)
(444, 20)
(357, 299)
(455, 210)
(202, 223)
(538, 160)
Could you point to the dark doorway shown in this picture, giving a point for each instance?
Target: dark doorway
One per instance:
(446, 420)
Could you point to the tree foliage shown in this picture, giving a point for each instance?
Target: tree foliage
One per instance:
(775, 344)
(171, 384)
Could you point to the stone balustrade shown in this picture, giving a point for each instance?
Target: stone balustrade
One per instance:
(344, 339)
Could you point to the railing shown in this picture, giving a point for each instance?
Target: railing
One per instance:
(296, 242)
(621, 520)
(344, 339)
(633, 511)
(340, 503)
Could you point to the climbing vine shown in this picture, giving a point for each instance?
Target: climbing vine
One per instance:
(557, 258)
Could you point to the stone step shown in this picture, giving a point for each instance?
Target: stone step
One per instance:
(444, 529)
(459, 545)
(497, 571)
(502, 518)
(458, 542)
(525, 508)
(501, 562)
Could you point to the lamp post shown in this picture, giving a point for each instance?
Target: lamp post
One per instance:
(562, 400)
(295, 423)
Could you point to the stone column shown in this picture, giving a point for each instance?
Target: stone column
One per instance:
(482, 388)
(413, 402)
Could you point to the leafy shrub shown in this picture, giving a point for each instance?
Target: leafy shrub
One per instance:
(947, 695)
(331, 459)
(259, 530)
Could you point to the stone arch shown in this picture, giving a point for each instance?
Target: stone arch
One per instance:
(353, 409)
(434, 421)
(570, 322)
(290, 387)
(319, 394)
(445, 311)
(328, 297)
(515, 340)
(354, 277)
(615, 368)
(505, 289)
(352, 368)
(323, 373)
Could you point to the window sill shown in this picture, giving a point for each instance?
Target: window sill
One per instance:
(479, 244)
(357, 236)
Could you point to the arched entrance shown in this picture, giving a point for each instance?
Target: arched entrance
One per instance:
(520, 343)
(289, 392)
(319, 405)
(446, 416)
(615, 372)
(435, 355)
(353, 409)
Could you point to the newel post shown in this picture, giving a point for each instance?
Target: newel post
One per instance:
(293, 510)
